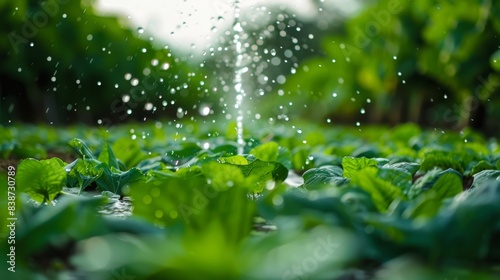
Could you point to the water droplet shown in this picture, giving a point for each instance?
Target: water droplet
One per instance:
(399, 74)
(128, 76)
(281, 79)
(148, 106)
(99, 83)
(165, 66)
(140, 30)
(206, 146)
(32, 44)
(204, 110)
(362, 111)
(134, 82)
(64, 15)
(358, 123)
(394, 57)
(90, 37)
(49, 58)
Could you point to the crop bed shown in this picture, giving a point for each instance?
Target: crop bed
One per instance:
(176, 201)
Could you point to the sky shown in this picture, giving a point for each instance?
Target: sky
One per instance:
(193, 24)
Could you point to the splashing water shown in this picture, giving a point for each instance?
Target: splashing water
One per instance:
(238, 81)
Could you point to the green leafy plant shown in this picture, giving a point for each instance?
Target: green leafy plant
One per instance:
(43, 180)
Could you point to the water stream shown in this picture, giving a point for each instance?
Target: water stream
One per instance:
(238, 81)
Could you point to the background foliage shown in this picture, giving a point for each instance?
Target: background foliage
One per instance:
(434, 62)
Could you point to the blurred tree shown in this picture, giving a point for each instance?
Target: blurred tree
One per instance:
(62, 63)
(436, 62)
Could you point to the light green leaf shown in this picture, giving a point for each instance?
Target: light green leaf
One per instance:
(352, 165)
(129, 152)
(271, 151)
(237, 160)
(81, 148)
(266, 152)
(480, 166)
(383, 193)
(43, 179)
(82, 173)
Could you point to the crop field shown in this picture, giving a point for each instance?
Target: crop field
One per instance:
(309, 202)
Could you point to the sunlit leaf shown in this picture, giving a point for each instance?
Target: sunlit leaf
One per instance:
(43, 179)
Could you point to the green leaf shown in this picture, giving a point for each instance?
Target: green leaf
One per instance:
(182, 153)
(442, 160)
(410, 167)
(107, 156)
(266, 152)
(398, 177)
(271, 151)
(129, 152)
(357, 200)
(80, 148)
(352, 165)
(215, 199)
(425, 206)
(237, 160)
(72, 219)
(43, 179)
(316, 177)
(316, 208)
(382, 192)
(114, 180)
(485, 177)
(450, 185)
(225, 176)
(82, 173)
(480, 166)
(264, 171)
